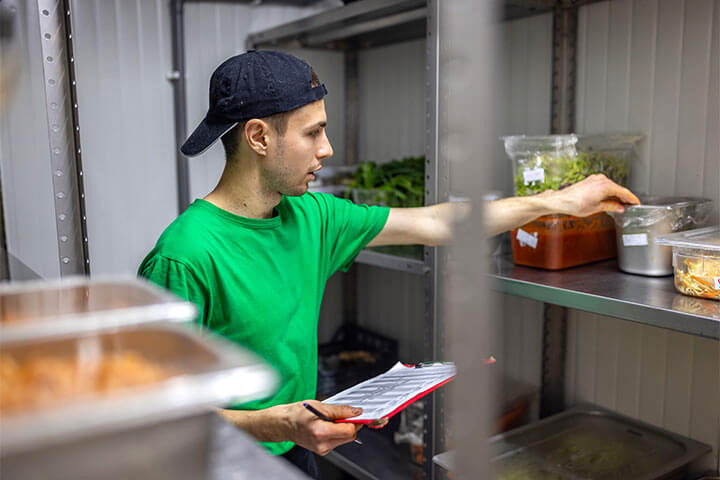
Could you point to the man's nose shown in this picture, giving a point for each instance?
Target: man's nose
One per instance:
(325, 150)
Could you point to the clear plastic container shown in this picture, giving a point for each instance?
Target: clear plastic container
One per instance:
(554, 242)
(696, 261)
(551, 162)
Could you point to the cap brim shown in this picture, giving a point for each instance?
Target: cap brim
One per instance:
(204, 136)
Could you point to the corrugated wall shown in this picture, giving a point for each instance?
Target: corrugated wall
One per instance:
(25, 155)
(652, 66)
(125, 102)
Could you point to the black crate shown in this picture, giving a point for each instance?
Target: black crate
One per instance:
(354, 354)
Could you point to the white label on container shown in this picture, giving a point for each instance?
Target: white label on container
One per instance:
(526, 239)
(534, 175)
(635, 240)
(717, 283)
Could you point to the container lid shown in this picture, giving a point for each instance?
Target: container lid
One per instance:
(40, 309)
(119, 379)
(537, 143)
(646, 201)
(702, 238)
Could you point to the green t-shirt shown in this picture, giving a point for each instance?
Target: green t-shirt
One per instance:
(259, 282)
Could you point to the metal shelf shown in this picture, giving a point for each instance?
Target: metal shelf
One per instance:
(601, 288)
(358, 25)
(372, 23)
(392, 262)
(377, 458)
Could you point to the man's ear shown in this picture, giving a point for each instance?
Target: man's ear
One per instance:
(256, 133)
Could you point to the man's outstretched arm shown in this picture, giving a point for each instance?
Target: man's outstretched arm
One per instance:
(433, 225)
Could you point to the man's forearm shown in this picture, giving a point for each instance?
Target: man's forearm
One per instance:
(268, 425)
(509, 213)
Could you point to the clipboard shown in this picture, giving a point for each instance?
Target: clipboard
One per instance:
(388, 393)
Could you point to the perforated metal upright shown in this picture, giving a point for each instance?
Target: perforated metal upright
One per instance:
(55, 19)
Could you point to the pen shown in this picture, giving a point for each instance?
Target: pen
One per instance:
(322, 416)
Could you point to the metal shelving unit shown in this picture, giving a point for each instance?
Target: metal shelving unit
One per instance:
(362, 25)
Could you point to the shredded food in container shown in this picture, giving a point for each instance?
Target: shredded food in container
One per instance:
(696, 277)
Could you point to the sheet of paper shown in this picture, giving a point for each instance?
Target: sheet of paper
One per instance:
(381, 395)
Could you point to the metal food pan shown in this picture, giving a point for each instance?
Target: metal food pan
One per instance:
(554, 448)
(204, 372)
(592, 443)
(42, 309)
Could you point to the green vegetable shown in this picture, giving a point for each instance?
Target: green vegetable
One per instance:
(563, 170)
(398, 183)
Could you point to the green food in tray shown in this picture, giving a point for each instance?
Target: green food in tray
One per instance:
(564, 170)
(398, 183)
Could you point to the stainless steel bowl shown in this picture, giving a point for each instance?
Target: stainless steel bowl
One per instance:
(638, 226)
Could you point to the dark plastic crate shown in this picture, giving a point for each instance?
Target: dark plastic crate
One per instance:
(354, 354)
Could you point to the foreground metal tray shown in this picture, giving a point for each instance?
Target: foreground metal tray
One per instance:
(44, 309)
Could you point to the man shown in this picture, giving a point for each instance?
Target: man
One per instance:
(254, 255)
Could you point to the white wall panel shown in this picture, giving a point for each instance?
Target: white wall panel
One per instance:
(215, 31)
(652, 66)
(392, 101)
(123, 54)
(28, 205)
(665, 378)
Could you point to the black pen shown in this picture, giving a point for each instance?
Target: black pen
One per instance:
(322, 416)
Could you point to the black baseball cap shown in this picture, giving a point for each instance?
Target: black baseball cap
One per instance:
(255, 84)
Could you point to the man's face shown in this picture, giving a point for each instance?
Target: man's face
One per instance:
(293, 157)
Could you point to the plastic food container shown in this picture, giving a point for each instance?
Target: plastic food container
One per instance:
(554, 242)
(551, 162)
(37, 309)
(696, 261)
(639, 225)
(129, 403)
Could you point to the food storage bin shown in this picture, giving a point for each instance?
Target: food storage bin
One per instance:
(639, 225)
(696, 261)
(551, 162)
(39, 309)
(130, 403)
(554, 242)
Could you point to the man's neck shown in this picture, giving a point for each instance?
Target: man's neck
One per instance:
(241, 191)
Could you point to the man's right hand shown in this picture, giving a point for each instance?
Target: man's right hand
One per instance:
(320, 436)
(295, 423)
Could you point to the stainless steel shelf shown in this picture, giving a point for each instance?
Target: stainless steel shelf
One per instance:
(371, 23)
(602, 288)
(377, 458)
(358, 25)
(392, 262)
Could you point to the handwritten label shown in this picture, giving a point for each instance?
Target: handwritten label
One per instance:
(534, 175)
(717, 283)
(526, 239)
(635, 240)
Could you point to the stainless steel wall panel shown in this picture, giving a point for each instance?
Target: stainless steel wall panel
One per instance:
(122, 51)
(27, 190)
